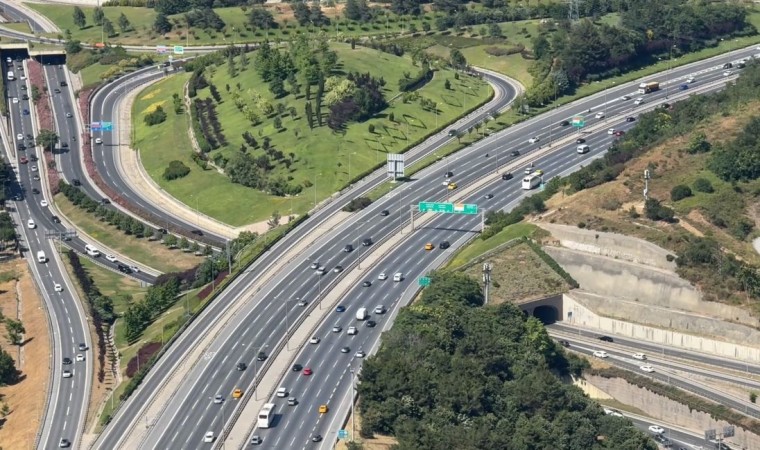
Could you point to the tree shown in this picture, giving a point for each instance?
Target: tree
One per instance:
(457, 59)
(309, 115)
(277, 87)
(261, 18)
(73, 46)
(47, 139)
(80, 19)
(494, 30)
(703, 185)
(170, 240)
(162, 24)
(654, 210)
(274, 221)
(15, 331)
(277, 123)
(184, 244)
(98, 15)
(108, 29)
(680, 192)
(447, 85)
(8, 372)
(124, 24)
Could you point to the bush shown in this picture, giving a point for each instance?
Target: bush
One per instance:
(154, 118)
(654, 210)
(703, 185)
(143, 356)
(357, 204)
(680, 192)
(176, 169)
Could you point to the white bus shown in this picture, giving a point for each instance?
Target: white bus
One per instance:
(11, 77)
(266, 415)
(531, 181)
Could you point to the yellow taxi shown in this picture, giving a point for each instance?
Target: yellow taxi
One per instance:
(323, 409)
(429, 246)
(452, 186)
(237, 393)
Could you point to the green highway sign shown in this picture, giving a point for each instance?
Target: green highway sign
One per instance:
(179, 50)
(579, 121)
(448, 208)
(424, 281)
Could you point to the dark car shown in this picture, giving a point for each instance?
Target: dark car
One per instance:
(370, 323)
(507, 176)
(348, 248)
(683, 87)
(261, 356)
(241, 366)
(728, 65)
(340, 308)
(488, 196)
(580, 141)
(57, 91)
(564, 123)
(384, 213)
(56, 219)
(630, 119)
(444, 245)
(367, 283)
(316, 438)
(515, 153)
(21, 147)
(105, 201)
(367, 242)
(297, 367)
(448, 174)
(662, 440)
(35, 191)
(197, 232)
(63, 83)
(66, 361)
(452, 132)
(123, 268)
(605, 339)
(564, 343)
(24, 97)
(33, 158)
(76, 182)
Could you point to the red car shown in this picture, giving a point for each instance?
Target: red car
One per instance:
(23, 160)
(307, 371)
(619, 133)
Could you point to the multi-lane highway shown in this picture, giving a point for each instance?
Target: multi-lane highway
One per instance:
(264, 321)
(66, 408)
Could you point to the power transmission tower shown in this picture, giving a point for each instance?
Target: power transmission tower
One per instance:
(573, 9)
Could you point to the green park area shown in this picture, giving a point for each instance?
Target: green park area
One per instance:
(320, 160)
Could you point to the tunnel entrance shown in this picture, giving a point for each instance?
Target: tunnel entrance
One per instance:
(546, 314)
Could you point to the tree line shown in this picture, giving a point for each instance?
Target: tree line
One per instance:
(454, 374)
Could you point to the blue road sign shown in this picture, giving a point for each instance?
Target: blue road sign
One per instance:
(342, 434)
(95, 126)
(107, 126)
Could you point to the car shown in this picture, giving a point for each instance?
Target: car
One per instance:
(630, 119)
(360, 354)
(539, 172)
(625, 97)
(340, 308)
(82, 346)
(367, 283)
(348, 248)
(619, 133)
(321, 270)
(316, 438)
(314, 340)
(600, 354)
(611, 131)
(605, 339)
(307, 371)
(727, 73)
(261, 356)
(67, 374)
(15, 100)
(123, 268)
(33, 157)
(35, 191)
(69, 115)
(507, 176)
(57, 287)
(564, 123)
(111, 258)
(453, 132)
(639, 101)
(728, 65)
(640, 356)
(302, 303)
(384, 213)
(599, 115)
(98, 141)
(292, 401)
(66, 361)
(370, 324)
(662, 440)
(444, 245)
(382, 276)
(282, 392)
(297, 367)
(580, 141)
(240, 366)
(106, 201)
(209, 436)
(533, 140)
(323, 409)
(63, 443)
(44, 203)
(338, 269)
(379, 309)
(515, 153)
(24, 97)
(690, 80)
(134, 269)
(23, 87)
(218, 399)
(528, 170)
(30, 224)
(451, 186)
(448, 174)
(80, 357)
(488, 196)
(256, 440)
(337, 329)
(314, 266)
(57, 91)
(656, 429)
(367, 242)
(429, 246)
(25, 112)
(76, 182)
(34, 168)
(20, 137)
(55, 219)
(683, 87)
(564, 343)
(351, 331)
(647, 368)
(345, 350)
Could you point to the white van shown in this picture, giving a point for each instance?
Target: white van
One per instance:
(41, 258)
(92, 250)
(361, 314)
(398, 277)
(583, 149)
(30, 224)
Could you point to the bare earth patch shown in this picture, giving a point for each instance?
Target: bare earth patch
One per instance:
(376, 443)
(26, 399)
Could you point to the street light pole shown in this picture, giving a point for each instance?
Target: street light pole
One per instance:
(353, 416)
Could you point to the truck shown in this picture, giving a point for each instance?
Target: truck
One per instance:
(645, 88)
(361, 314)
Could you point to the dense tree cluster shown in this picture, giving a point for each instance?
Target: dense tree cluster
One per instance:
(309, 15)
(204, 111)
(141, 314)
(7, 228)
(176, 169)
(204, 18)
(155, 117)
(8, 372)
(454, 374)
(361, 103)
(739, 160)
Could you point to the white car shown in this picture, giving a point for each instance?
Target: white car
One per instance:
(208, 437)
(379, 309)
(22, 78)
(30, 224)
(600, 354)
(351, 331)
(34, 168)
(611, 131)
(43, 203)
(647, 368)
(57, 287)
(218, 399)
(640, 356)
(98, 141)
(282, 392)
(727, 73)
(15, 100)
(20, 137)
(639, 101)
(337, 329)
(135, 269)
(656, 429)
(600, 115)
(314, 340)
(111, 258)
(533, 140)
(612, 412)
(625, 97)
(690, 80)
(321, 270)
(360, 354)
(528, 170)
(67, 374)
(382, 276)
(80, 357)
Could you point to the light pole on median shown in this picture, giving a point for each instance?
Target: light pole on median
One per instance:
(353, 418)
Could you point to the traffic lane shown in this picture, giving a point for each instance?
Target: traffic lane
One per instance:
(18, 15)
(664, 351)
(66, 128)
(678, 437)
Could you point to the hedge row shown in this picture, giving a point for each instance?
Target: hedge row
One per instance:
(551, 262)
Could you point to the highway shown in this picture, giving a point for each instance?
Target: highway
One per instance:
(241, 341)
(66, 407)
(18, 15)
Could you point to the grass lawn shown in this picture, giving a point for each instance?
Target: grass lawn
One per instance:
(152, 254)
(91, 74)
(513, 66)
(322, 158)
(21, 27)
(479, 246)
